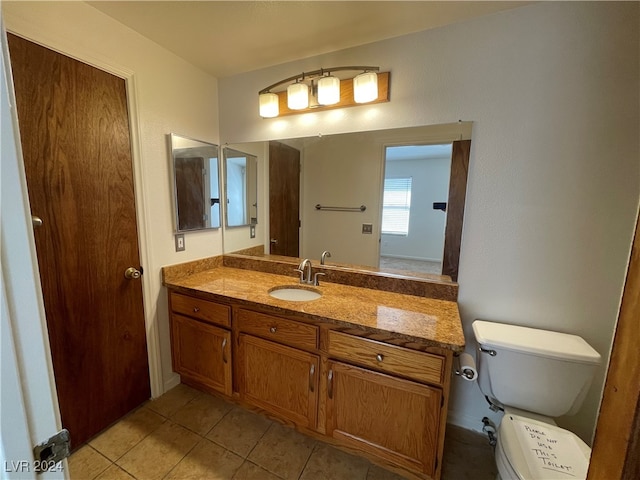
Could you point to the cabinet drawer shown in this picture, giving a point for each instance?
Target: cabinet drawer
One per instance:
(278, 329)
(210, 312)
(420, 366)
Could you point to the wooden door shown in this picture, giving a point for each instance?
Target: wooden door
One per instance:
(279, 379)
(284, 199)
(386, 416)
(190, 193)
(74, 131)
(202, 352)
(616, 446)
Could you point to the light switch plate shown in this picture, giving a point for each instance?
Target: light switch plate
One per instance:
(180, 242)
(367, 228)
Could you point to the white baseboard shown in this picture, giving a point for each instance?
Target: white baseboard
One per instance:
(468, 422)
(174, 381)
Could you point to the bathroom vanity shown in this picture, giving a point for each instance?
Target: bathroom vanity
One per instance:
(368, 370)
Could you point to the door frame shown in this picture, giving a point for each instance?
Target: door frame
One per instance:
(142, 214)
(30, 413)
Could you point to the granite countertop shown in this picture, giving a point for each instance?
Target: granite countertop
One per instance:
(413, 318)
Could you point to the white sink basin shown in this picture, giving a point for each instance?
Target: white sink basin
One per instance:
(295, 293)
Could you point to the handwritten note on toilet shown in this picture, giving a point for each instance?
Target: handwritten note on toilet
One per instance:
(550, 454)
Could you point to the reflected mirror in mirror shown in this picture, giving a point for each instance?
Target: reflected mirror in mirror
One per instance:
(196, 180)
(241, 188)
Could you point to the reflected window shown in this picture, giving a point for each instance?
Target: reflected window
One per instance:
(241, 181)
(396, 206)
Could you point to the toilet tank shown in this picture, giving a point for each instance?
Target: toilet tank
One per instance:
(540, 371)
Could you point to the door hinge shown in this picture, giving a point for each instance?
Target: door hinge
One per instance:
(49, 453)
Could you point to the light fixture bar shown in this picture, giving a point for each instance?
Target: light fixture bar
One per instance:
(316, 73)
(346, 97)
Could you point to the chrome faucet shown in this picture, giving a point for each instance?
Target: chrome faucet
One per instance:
(305, 271)
(306, 275)
(325, 254)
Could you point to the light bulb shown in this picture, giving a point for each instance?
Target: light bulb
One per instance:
(365, 87)
(298, 96)
(328, 90)
(269, 105)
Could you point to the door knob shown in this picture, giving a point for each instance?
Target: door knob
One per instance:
(132, 272)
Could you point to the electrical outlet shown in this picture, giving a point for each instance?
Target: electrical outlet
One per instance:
(367, 228)
(252, 231)
(180, 242)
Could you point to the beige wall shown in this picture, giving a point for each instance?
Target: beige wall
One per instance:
(170, 96)
(553, 92)
(238, 238)
(347, 170)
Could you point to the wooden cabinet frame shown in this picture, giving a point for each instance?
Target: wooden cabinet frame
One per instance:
(365, 395)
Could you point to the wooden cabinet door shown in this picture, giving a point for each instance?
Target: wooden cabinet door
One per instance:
(202, 352)
(392, 418)
(279, 379)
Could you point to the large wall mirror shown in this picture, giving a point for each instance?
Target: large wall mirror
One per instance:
(342, 173)
(195, 170)
(241, 188)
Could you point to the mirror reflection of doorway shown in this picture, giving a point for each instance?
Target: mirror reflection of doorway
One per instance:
(416, 191)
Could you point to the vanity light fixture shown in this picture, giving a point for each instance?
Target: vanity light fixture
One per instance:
(319, 90)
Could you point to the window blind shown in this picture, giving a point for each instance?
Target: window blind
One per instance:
(396, 206)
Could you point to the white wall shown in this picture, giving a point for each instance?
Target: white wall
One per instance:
(429, 183)
(553, 91)
(238, 238)
(170, 96)
(347, 171)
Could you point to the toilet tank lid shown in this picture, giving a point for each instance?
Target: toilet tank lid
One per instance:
(534, 341)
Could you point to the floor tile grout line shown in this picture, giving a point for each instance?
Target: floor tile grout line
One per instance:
(261, 437)
(138, 442)
(96, 451)
(183, 457)
(315, 446)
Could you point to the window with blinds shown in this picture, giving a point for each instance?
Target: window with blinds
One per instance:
(396, 205)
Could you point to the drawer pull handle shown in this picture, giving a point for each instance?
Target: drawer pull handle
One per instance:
(330, 384)
(380, 357)
(224, 353)
(196, 309)
(312, 371)
(273, 329)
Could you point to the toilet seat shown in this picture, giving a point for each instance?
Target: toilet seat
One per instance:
(529, 449)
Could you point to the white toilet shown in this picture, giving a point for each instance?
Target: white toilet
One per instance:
(535, 375)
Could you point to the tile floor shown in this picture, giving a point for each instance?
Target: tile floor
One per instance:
(405, 264)
(189, 434)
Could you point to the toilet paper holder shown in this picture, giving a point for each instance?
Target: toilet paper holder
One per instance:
(464, 366)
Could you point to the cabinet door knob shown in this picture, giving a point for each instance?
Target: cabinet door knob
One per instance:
(196, 309)
(273, 329)
(330, 384)
(380, 357)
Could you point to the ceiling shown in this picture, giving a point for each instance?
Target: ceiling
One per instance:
(227, 38)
